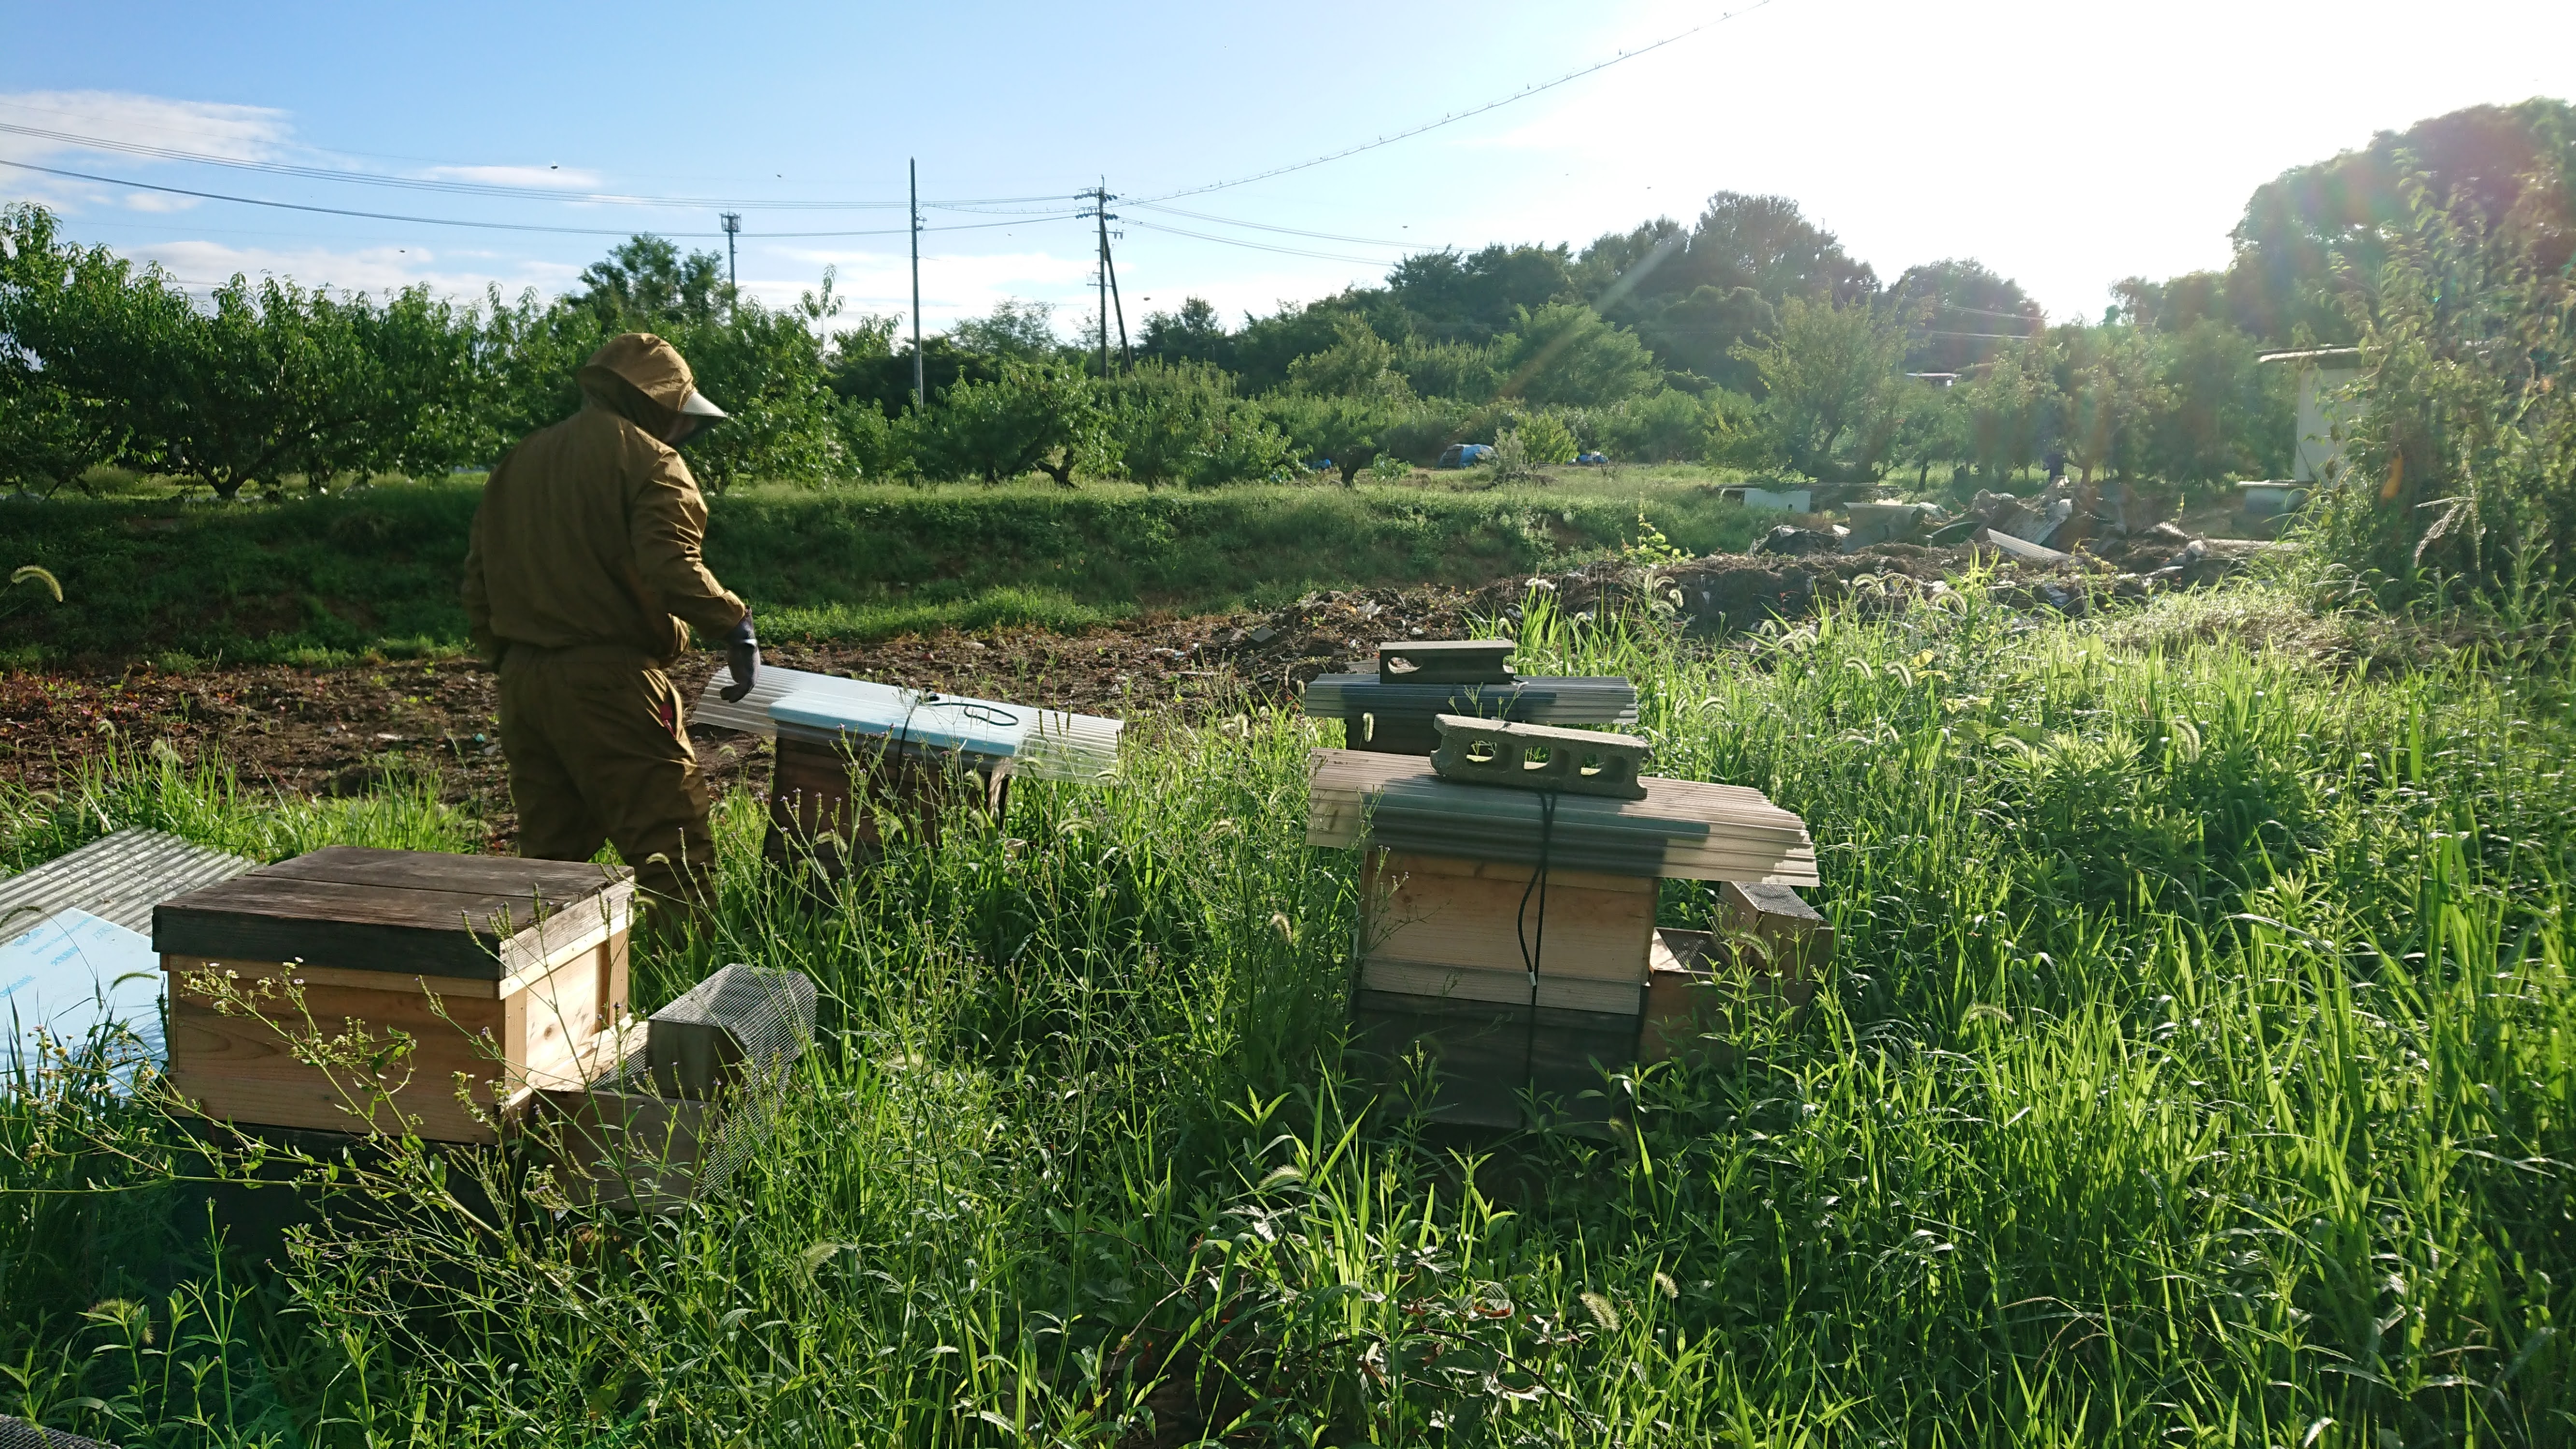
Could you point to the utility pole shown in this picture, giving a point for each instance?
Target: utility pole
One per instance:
(732, 224)
(1100, 209)
(1100, 199)
(912, 169)
(1109, 264)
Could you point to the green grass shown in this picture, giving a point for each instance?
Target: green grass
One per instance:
(316, 580)
(2198, 1067)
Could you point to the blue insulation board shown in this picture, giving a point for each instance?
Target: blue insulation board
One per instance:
(70, 974)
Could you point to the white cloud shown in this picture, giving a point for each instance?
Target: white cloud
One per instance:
(199, 263)
(548, 176)
(211, 128)
(158, 201)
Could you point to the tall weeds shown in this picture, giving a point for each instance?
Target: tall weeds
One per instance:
(2197, 1066)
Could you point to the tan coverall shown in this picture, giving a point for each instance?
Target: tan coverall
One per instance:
(582, 583)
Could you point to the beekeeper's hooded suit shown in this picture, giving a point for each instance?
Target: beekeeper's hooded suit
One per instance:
(582, 583)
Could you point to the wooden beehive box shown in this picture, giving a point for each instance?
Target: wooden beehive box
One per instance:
(526, 960)
(833, 802)
(1443, 926)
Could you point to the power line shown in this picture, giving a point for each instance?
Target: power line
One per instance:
(480, 188)
(1257, 246)
(1453, 118)
(481, 225)
(1289, 230)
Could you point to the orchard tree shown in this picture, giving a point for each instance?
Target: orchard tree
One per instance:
(1350, 429)
(1565, 355)
(1831, 389)
(1044, 416)
(1184, 424)
(50, 436)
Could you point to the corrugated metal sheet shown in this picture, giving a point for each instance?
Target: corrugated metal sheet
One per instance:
(1536, 699)
(1683, 829)
(1081, 748)
(118, 878)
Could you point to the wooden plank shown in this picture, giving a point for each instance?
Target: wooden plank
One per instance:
(466, 987)
(580, 927)
(1510, 988)
(374, 928)
(243, 1068)
(1474, 921)
(1511, 873)
(1772, 931)
(1685, 829)
(1482, 1057)
(549, 1029)
(553, 1029)
(557, 881)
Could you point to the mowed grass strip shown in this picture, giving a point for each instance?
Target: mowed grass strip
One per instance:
(323, 579)
(2197, 1068)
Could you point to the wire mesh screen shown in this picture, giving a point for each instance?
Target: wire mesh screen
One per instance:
(743, 1021)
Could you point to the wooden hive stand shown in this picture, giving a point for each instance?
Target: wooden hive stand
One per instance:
(510, 972)
(831, 803)
(1515, 990)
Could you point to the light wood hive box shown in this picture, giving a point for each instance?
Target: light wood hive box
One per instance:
(1441, 926)
(527, 959)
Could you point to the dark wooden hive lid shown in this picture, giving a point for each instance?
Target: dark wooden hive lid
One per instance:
(411, 912)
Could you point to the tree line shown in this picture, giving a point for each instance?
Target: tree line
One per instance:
(1746, 338)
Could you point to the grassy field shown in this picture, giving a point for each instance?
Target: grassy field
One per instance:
(2199, 1067)
(321, 580)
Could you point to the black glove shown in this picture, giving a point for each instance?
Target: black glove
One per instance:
(742, 656)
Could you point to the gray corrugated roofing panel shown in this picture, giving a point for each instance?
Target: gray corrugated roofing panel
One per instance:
(118, 877)
(1533, 699)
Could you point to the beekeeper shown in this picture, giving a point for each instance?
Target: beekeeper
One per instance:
(582, 583)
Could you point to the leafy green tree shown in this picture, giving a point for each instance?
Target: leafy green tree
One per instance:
(1419, 433)
(2012, 409)
(1959, 313)
(2114, 397)
(2220, 414)
(1547, 439)
(1267, 346)
(645, 284)
(1696, 335)
(1447, 296)
(1043, 415)
(767, 369)
(1195, 333)
(50, 436)
(1831, 390)
(1184, 424)
(2315, 238)
(1566, 354)
(1668, 427)
(1020, 330)
(1460, 370)
(1349, 428)
(2460, 470)
(1358, 364)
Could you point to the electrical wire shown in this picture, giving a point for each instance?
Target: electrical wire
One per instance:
(1456, 116)
(483, 188)
(1256, 246)
(1288, 230)
(488, 225)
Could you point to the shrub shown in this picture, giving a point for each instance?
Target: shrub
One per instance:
(1183, 423)
(1548, 439)
(2460, 470)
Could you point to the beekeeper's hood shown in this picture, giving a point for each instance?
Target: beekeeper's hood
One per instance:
(645, 380)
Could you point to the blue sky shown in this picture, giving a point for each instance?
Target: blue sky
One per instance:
(2063, 144)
